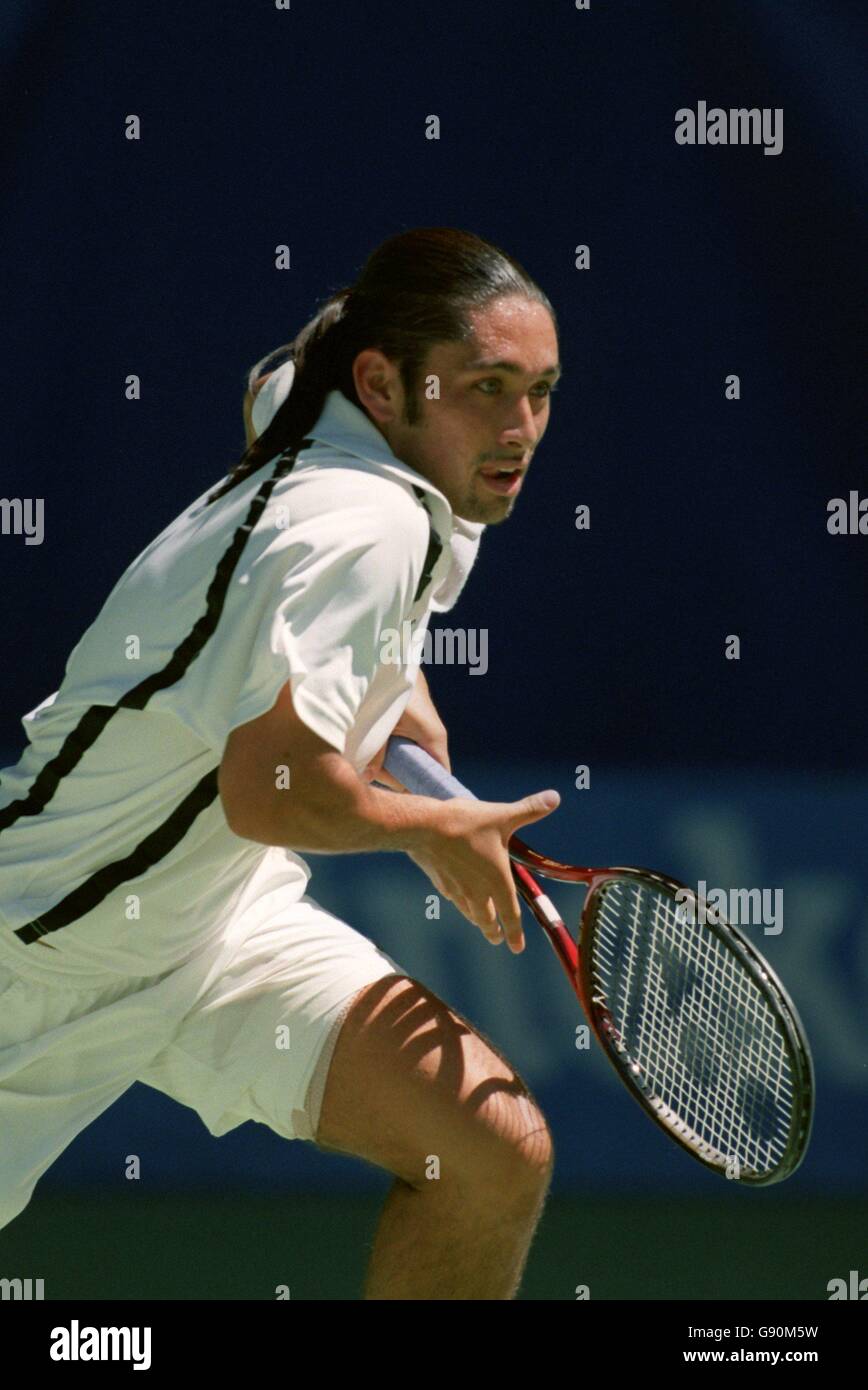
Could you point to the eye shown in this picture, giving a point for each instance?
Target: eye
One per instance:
(547, 388)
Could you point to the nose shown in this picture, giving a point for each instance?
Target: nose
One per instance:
(524, 427)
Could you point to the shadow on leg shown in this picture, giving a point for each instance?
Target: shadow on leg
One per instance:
(416, 1090)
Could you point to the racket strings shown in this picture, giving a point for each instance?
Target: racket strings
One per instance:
(701, 1040)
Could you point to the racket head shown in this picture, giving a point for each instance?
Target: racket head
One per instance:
(697, 1025)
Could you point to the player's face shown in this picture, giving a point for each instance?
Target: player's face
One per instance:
(492, 411)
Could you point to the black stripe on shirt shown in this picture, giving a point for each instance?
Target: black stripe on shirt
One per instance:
(95, 719)
(147, 853)
(435, 549)
(161, 841)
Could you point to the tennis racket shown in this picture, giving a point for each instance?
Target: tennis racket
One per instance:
(692, 1017)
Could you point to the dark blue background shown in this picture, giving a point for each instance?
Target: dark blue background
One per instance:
(307, 127)
(708, 517)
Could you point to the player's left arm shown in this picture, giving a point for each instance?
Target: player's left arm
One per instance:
(421, 722)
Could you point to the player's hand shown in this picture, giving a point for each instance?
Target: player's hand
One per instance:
(466, 859)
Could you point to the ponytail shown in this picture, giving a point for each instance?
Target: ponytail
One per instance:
(415, 289)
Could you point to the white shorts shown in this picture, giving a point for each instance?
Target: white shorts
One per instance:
(243, 1032)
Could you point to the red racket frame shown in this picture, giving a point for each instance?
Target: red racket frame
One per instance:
(569, 953)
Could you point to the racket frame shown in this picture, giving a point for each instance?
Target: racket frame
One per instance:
(576, 958)
(417, 769)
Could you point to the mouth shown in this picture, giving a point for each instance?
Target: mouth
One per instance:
(504, 481)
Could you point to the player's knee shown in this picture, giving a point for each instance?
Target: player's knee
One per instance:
(415, 1089)
(525, 1155)
(504, 1148)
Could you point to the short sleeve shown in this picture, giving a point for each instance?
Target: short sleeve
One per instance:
(323, 625)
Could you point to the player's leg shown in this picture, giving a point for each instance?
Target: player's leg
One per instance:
(309, 1028)
(65, 1056)
(414, 1089)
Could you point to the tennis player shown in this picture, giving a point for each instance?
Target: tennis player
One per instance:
(227, 712)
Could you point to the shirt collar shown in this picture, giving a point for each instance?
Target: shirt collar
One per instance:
(344, 426)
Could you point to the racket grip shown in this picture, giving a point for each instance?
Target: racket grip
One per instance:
(419, 772)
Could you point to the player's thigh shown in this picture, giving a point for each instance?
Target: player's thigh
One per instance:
(411, 1079)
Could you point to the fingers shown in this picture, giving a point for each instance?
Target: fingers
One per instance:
(482, 915)
(531, 808)
(509, 914)
(485, 917)
(497, 923)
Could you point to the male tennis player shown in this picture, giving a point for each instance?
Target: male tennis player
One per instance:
(227, 711)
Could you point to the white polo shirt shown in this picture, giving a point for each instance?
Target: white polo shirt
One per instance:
(114, 849)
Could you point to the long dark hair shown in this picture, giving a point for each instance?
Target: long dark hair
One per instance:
(414, 290)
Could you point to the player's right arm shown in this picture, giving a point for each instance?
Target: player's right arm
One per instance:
(327, 808)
